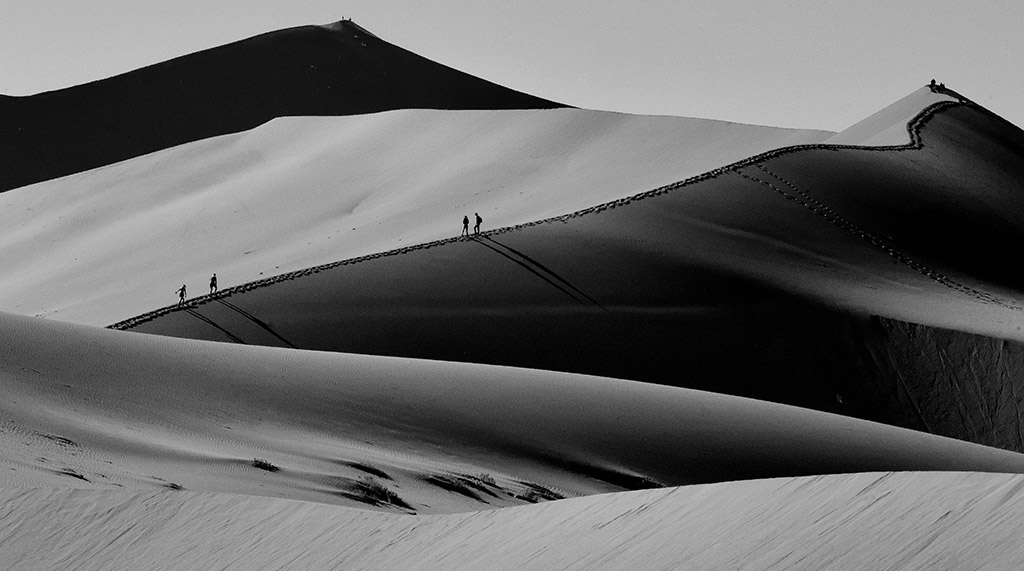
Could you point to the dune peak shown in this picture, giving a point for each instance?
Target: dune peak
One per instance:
(347, 25)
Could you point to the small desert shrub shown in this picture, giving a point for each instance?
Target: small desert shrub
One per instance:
(369, 469)
(371, 490)
(536, 493)
(264, 465)
(481, 482)
(485, 479)
(457, 484)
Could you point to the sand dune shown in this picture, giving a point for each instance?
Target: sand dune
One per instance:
(860, 521)
(361, 357)
(87, 407)
(128, 451)
(339, 69)
(109, 244)
(781, 259)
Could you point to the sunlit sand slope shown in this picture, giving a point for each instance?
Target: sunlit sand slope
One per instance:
(907, 521)
(108, 244)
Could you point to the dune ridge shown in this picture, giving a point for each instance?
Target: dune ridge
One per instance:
(913, 129)
(299, 192)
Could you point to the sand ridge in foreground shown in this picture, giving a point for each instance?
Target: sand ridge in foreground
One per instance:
(856, 521)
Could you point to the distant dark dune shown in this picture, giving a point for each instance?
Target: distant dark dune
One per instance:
(312, 70)
(700, 286)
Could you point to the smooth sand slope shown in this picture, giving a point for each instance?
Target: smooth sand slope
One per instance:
(905, 521)
(338, 69)
(115, 242)
(757, 280)
(88, 407)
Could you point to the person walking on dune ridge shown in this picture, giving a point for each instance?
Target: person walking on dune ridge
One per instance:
(181, 294)
(476, 227)
(465, 227)
(213, 283)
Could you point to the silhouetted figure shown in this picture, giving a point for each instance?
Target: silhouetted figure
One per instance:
(181, 294)
(942, 87)
(476, 227)
(932, 85)
(465, 226)
(213, 284)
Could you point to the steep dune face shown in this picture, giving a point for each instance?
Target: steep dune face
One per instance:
(755, 280)
(953, 206)
(312, 70)
(962, 385)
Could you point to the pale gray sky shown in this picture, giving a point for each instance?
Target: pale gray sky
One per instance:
(793, 63)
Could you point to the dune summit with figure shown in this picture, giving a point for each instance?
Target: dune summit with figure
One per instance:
(425, 320)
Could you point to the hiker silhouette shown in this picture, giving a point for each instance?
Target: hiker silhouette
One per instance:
(181, 294)
(465, 226)
(476, 227)
(213, 283)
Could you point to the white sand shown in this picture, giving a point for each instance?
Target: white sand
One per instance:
(888, 126)
(901, 521)
(108, 244)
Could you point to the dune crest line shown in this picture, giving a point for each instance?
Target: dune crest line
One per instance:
(819, 208)
(914, 127)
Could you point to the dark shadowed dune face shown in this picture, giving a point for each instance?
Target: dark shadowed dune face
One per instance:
(758, 280)
(312, 70)
(956, 205)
